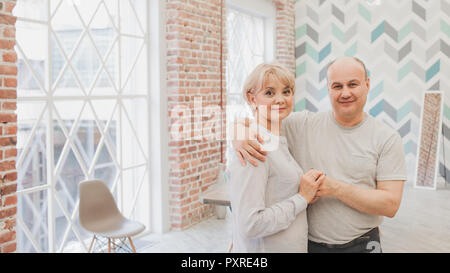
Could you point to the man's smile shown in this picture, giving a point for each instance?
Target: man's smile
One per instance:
(346, 102)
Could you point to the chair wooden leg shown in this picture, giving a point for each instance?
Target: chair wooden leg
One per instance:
(92, 243)
(230, 247)
(132, 245)
(114, 246)
(109, 245)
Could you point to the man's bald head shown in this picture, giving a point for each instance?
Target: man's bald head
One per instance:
(346, 60)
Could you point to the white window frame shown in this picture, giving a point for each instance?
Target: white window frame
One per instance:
(159, 143)
(157, 162)
(267, 10)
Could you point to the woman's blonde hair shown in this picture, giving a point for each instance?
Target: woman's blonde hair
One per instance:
(256, 80)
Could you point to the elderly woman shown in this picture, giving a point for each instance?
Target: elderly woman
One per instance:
(269, 201)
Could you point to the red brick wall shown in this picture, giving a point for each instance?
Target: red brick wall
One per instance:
(8, 128)
(194, 76)
(193, 79)
(285, 33)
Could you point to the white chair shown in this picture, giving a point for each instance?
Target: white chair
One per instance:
(99, 214)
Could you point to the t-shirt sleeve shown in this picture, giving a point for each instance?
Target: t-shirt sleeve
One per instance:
(247, 196)
(294, 122)
(294, 126)
(391, 162)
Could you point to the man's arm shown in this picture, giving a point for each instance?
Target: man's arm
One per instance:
(391, 175)
(384, 200)
(247, 143)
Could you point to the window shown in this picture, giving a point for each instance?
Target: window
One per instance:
(82, 114)
(250, 34)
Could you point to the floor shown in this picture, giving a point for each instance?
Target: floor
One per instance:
(422, 224)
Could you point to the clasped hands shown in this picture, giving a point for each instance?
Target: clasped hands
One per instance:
(315, 184)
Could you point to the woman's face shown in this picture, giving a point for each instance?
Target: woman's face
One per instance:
(274, 101)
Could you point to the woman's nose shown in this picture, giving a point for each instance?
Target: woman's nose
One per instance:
(279, 99)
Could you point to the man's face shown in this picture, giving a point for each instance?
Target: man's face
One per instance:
(348, 88)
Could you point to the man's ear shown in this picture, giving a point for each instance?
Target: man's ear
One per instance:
(368, 84)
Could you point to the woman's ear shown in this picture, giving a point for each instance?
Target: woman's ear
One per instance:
(251, 101)
(251, 98)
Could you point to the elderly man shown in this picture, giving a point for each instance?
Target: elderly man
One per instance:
(363, 160)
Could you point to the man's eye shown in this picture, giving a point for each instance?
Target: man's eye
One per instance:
(337, 87)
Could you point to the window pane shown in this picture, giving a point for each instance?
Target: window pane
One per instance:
(71, 66)
(32, 218)
(31, 144)
(31, 9)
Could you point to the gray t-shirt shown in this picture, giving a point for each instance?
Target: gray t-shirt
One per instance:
(268, 214)
(361, 155)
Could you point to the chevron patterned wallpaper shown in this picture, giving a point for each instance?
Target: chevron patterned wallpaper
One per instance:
(406, 47)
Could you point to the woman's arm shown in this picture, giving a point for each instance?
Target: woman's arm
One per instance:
(248, 191)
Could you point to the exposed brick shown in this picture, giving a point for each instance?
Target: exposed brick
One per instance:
(8, 248)
(10, 6)
(285, 29)
(9, 117)
(10, 57)
(7, 69)
(10, 82)
(10, 153)
(7, 166)
(11, 130)
(9, 32)
(4, 213)
(8, 189)
(10, 200)
(9, 106)
(8, 141)
(6, 19)
(9, 177)
(7, 236)
(8, 94)
(193, 68)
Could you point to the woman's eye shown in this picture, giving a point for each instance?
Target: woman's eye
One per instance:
(287, 92)
(269, 93)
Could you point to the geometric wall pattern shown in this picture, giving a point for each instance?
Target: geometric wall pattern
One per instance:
(405, 45)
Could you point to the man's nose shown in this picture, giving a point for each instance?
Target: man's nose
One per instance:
(345, 93)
